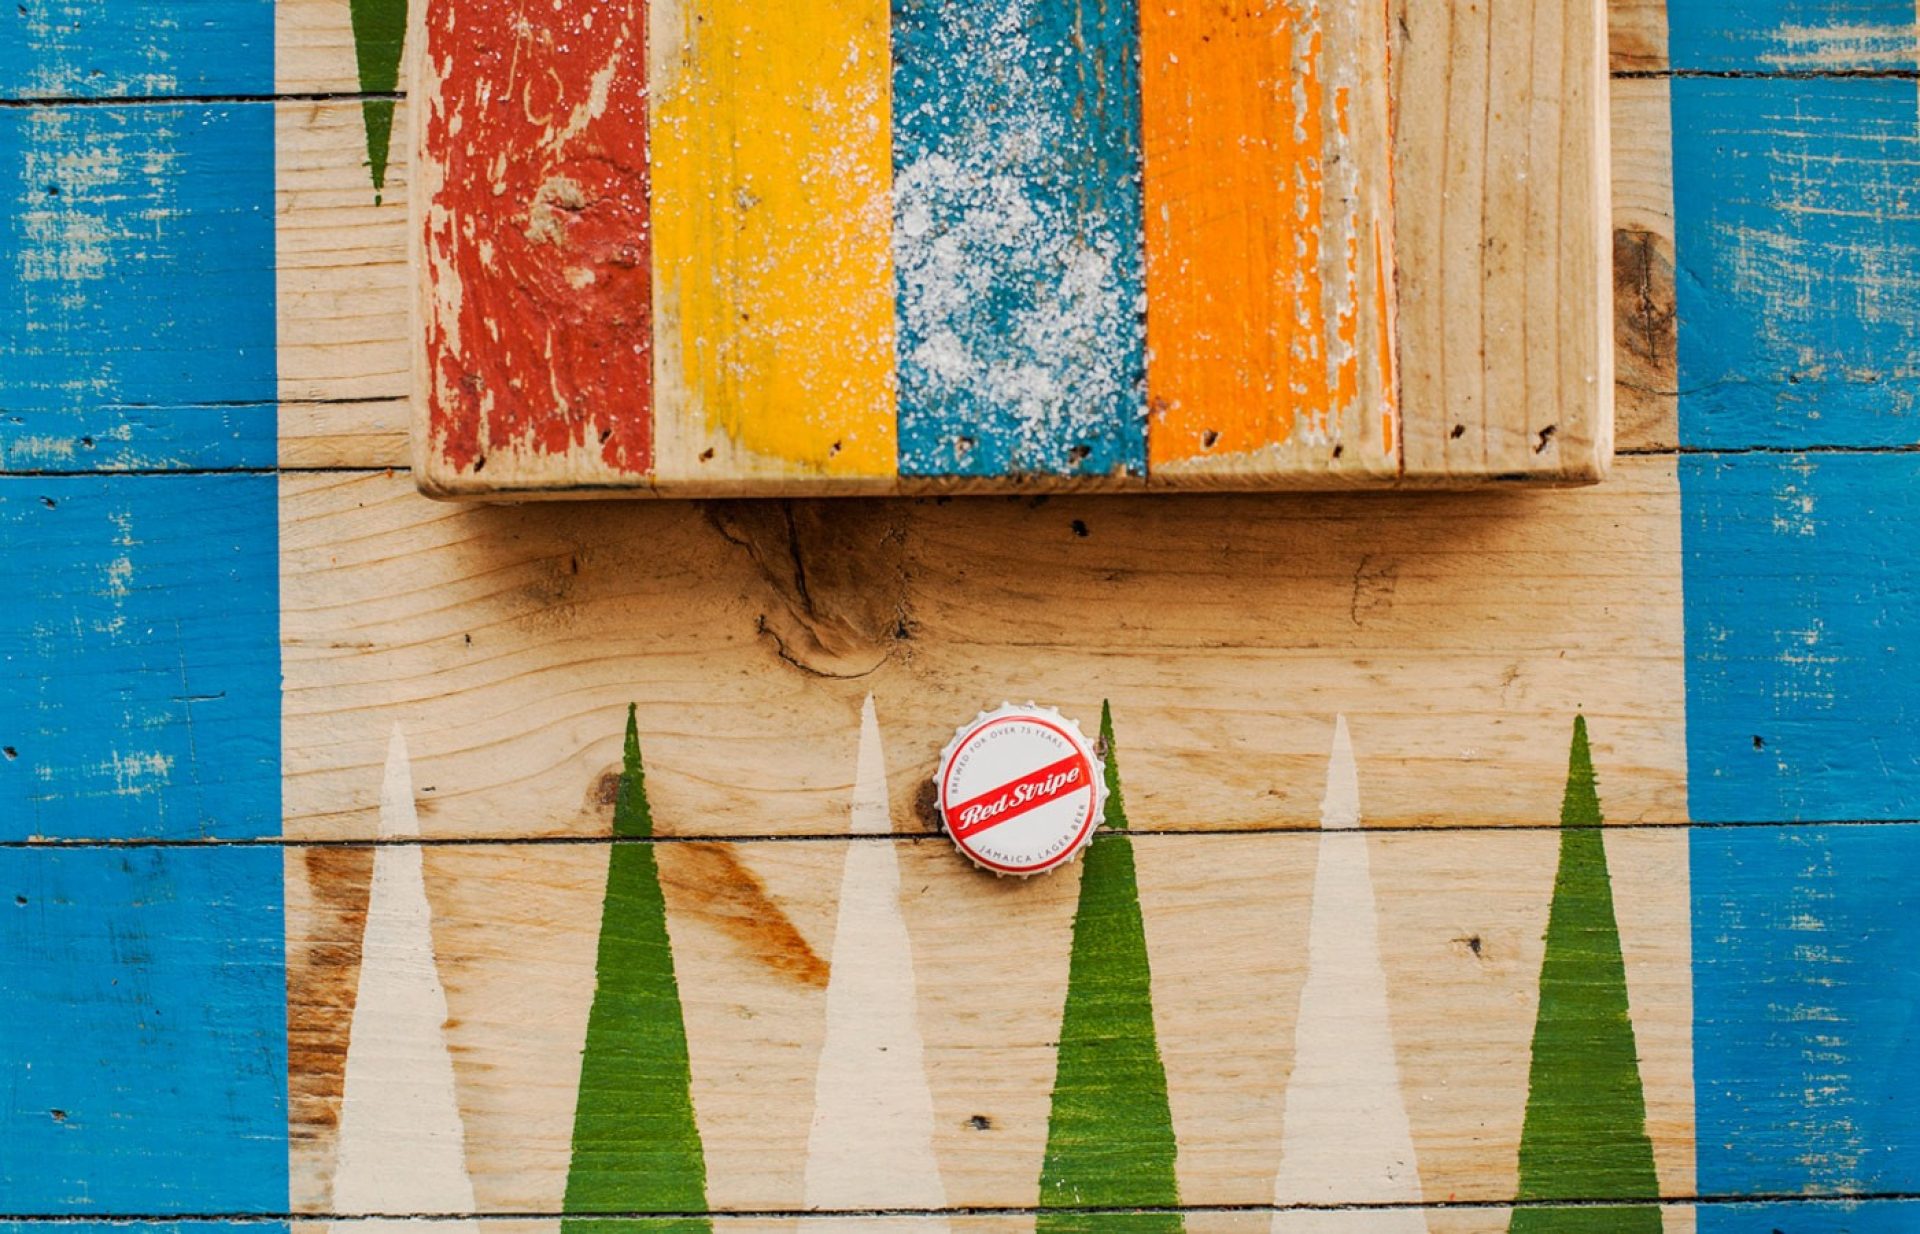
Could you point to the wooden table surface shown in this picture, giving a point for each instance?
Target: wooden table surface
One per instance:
(336, 888)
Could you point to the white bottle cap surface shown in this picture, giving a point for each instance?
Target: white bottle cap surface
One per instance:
(1021, 789)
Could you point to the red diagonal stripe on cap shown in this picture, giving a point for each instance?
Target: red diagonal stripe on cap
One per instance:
(1011, 800)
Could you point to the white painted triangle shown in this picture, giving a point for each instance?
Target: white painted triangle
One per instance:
(1346, 1139)
(871, 1145)
(401, 1146)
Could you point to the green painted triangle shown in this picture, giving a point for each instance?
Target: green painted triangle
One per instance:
(1585, 1136)
(1110, 1137)
(636, 1146)
(379, 33)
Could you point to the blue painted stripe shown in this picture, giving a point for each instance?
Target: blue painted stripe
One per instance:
(1798, 249)
(1804, 1217)
(1791, 35)
(139, 251)
(145, 1032)
(83, 1226)
(1798, 234)
(113, 48)
(139, 657)
(1803, 636)
(1806, 945)
(1017, 237)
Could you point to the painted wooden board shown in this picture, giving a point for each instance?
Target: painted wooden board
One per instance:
(710, 248)
(509, 642)
(712, 1067)
(1734, 625)
(344, 291)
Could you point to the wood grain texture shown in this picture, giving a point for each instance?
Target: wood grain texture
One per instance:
(1774, 1039)
(342, 279)
(1646, 322)
(314, 53)
(1503, 368)
(1637, 36)
(1461, 920)
(509, 642)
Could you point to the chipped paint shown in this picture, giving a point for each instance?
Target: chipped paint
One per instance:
(143, 665)
(527, 194)
(772, 207)
(1259, 312)
(1820, 36)
(1798, 243)
(110, 355)
(1016, 238)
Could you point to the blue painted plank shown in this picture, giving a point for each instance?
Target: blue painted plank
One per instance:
(145, 1033)
(1794, 36)
(139, 246)
(1803, 1217)
(1806, 951)
(1798, 250)
(139, 656)
(1803, 636)
(1017, 238)
(118, 1226)
(112, 48)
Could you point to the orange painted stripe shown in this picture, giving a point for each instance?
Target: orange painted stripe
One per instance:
(1233, 131)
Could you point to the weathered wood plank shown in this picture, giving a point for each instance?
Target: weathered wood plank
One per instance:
(1016, 238)
(1802, 252)
(139, 241)
(509, 642)
(755, 949)
(1645, 320)
(533, 267)
(1462, 1219)
(773, 265)
(1796, 1062)
(1512, 382)
(1795, 36)
(146, 48)
(1799, 581)
(148, 1025)
(342, 292)
(314, 48)
(140, 639)
(1269, 232)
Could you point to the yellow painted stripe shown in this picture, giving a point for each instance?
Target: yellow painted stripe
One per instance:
(772, 167)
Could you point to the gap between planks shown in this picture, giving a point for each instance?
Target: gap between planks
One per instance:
(1304, 830)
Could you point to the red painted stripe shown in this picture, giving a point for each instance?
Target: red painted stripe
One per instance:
(540, 335)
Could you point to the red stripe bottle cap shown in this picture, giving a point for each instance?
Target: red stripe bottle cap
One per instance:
(1021, 789)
